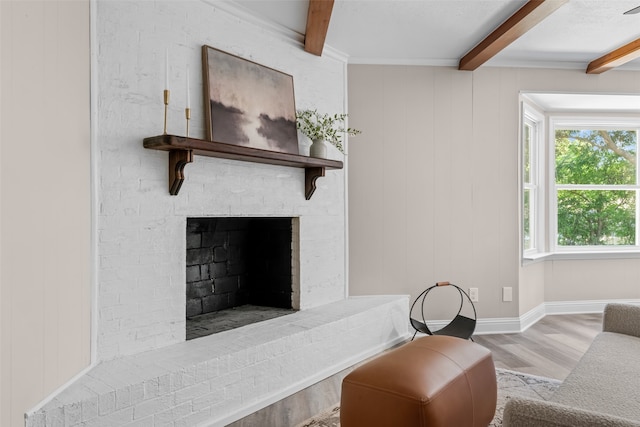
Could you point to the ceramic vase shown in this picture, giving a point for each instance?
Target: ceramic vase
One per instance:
(318, 149)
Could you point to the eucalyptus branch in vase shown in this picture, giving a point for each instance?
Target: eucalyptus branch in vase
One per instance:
(326, 127)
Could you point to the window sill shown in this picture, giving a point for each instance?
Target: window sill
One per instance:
(591, 255)
(529, 259)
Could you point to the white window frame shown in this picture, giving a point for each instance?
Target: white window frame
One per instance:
(587, 122)
(537, 188)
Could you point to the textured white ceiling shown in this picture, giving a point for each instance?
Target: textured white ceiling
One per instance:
(440, 32)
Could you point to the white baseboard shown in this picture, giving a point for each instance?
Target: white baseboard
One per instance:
(593, 306)
(508, 325)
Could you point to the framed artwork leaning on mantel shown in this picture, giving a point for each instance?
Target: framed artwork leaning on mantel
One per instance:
(247, 103)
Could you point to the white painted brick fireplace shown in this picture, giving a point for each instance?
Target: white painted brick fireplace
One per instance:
(145, 372)
(141, 227)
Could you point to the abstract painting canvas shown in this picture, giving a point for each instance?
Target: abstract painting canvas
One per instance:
(248, 104)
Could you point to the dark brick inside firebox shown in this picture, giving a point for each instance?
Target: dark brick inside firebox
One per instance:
(237, 261)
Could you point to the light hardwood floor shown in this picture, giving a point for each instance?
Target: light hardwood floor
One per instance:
(550, 348)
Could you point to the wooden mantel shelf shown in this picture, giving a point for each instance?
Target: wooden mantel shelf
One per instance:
(181, 150)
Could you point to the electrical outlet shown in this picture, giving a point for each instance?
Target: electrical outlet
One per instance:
(507, 294)
(473, 294)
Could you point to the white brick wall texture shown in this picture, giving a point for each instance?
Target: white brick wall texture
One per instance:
(218, 379)
(141, 228)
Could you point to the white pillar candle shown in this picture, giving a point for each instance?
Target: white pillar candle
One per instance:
(166, 69)
(188, 95)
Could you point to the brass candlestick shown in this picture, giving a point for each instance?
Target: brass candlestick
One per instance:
(167, 94)
(187, 115)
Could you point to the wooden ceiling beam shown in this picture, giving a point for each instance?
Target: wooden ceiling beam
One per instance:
(528, 16)
(615, 58)
(318, 18)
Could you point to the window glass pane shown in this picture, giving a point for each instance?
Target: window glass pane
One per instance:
(527, 153)
(605, 157)
(527, 243)
(596, 217)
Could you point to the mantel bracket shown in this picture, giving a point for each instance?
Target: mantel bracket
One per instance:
(311, 174)
(178, 159)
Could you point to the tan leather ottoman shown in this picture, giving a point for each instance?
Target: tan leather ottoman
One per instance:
(432, 381)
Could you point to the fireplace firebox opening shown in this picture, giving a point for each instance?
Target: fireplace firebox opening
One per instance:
(239, 270)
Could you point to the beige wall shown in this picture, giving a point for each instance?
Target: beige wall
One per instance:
(45, 200)
(433, 186)
(531, 286)
(571, 280)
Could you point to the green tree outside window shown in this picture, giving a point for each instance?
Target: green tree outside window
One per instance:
(590, 164)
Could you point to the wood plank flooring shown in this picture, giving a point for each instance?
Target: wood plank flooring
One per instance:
(550, 348)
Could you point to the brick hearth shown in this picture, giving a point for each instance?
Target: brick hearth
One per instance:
(225, 376)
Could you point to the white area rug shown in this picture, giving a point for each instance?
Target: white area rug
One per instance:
(510, 384)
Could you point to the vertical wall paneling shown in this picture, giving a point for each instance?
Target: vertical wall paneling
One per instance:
(442, 133)
(366, 179)
(462, 141)
(421, 173)
(508, 128)
(394, 188)
(5, 291)
(459, 186)
(45, 200)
